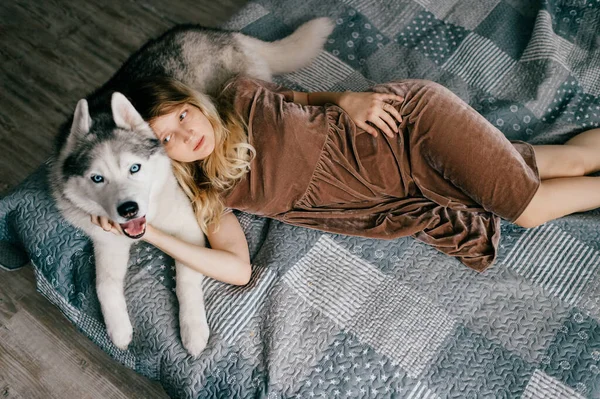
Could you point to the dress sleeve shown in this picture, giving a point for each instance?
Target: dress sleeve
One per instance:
(241, 90)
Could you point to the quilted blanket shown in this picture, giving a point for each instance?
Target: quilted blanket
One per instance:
(333, 316)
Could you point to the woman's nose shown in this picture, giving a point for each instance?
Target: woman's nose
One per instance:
(188, 136)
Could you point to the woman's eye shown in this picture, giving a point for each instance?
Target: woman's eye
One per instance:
(97, 178)
(135, 168)
(183, 115)
(167, 139)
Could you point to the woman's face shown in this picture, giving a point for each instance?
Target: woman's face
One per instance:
(186, 133)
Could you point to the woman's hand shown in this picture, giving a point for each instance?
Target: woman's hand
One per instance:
(363, 107)
(107, 224)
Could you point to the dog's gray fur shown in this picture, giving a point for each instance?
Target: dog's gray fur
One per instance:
(106, 137)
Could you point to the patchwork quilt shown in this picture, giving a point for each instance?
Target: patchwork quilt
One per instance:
(334, 316)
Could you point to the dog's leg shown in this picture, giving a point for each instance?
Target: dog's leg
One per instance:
(192, 314)
(112, 257)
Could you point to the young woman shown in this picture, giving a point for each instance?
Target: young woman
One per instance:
(440, 172)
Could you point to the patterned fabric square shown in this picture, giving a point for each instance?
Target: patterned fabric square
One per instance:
(322, 74)
(295, 350)
(258, 28)
(585, 64)
(505, 26)
(355, 38)
(230, 373)
(547, 75)
(251, 13)
(392, 16)
(395, 61)
(545, 43)
(385, 255)
(273, 254)
(313, 277)
(572, 18)
(453, 288)
(350, 369)
(480, 62)
(525, 8)
(581, 62)
(590, 299)
(294, 13)
(571, 104)
(524, 327)
(493, 371)
(511, 118)
(229, 308)
(432, 37)
(542, 386)
(402, 324)
(555, 260)
(465, 13)
(355, 82)
(574, 356)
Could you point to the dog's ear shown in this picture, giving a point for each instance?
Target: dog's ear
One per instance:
(82, 121)
(124, 113)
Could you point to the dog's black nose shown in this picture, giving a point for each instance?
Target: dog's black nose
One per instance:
(128, 209)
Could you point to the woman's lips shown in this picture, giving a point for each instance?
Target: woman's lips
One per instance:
(199, 143)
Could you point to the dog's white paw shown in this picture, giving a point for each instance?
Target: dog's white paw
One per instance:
(194, 336)
(121, 334)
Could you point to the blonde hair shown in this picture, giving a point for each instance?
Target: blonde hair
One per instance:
(202, 181)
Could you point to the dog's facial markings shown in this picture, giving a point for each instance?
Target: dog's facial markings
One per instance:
(76, 164)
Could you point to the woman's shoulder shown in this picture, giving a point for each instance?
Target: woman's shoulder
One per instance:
(248, 85)
(241, 83)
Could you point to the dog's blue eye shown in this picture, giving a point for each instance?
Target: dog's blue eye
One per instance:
(135, 168)
(97, 179)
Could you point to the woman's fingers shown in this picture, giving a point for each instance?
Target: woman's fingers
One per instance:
(367, 128)
(380, 123)
(391, 97)
(390, 109)
(389, 120)
(373, 112)
(116, 229)
(383, 120)
(106, 224)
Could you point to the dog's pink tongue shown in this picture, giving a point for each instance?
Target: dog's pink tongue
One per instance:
(134, 227)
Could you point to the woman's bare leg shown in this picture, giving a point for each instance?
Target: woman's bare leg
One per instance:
(564, 188)
(579, 156)
(560, 197)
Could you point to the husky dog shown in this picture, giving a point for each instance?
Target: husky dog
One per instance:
(109, 163)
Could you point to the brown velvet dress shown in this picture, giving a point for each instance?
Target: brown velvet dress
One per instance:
(446, 179)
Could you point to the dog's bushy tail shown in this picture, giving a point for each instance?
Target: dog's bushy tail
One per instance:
(296, 50)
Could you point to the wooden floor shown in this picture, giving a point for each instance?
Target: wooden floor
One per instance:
(52, 53)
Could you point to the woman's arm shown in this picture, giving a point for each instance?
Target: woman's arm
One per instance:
(227, 260)
(364, 108)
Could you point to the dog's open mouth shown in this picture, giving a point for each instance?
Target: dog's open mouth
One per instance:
(134, 228)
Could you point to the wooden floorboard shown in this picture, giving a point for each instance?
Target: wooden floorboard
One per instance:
(42, 355)
(52, 53)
